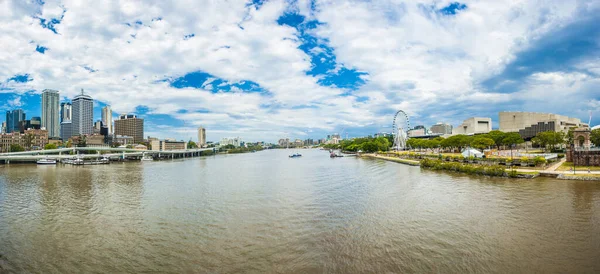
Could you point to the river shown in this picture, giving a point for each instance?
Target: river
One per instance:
(264, 212)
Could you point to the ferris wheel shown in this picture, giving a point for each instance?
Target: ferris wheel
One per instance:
(400, 128)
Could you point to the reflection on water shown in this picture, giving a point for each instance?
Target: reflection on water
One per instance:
(263, 212)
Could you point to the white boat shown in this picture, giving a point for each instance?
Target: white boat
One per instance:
(46, 161)
(147, 158)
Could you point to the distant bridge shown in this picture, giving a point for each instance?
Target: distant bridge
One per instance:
(122, 153)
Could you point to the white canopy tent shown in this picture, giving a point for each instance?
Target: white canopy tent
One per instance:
(468, 152)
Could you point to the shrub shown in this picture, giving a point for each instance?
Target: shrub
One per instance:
(560, 156)
(464, 168)
(513, 174)
(539, 160)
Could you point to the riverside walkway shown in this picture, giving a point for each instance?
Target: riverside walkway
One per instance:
(113, 153)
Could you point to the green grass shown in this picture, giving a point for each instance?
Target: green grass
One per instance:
(568, 165)
(528, 173)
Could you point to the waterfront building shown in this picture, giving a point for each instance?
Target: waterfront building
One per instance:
(83, 115)
(298, 143)
(529, 124)
(201, 137)
(30, 139)
(34, 123)
(66, 111)
(140, 147)
(441, 128)
(167, 144)
(66, 130)
(107, 120)
(130, 125)
(51, 112)
(419, 130)
(284, 142)
(13, 118)
(236, 142)
(474, 125)
(92, 140)
(123, 140)
(309, 142)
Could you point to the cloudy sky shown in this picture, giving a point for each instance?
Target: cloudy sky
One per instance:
(263, 70)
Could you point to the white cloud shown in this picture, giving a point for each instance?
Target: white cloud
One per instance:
(414, 57)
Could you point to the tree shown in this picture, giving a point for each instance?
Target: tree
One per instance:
(497, 136)
(16, 148)
(50, 146)
(29, 140)
(482, 142)
(550, 139)
(192, 144)
(595, 137)
(82, 141)
(511, 139)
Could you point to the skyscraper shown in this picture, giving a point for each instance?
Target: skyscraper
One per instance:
(107, 119)
(13, 119)
(130, 125)
(83, 114)
(66, 130)
(201, 136)
(66, 112)
(50, 112)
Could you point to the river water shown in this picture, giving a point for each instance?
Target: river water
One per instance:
(264, 212)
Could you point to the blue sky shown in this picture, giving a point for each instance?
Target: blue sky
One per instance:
(265, 70)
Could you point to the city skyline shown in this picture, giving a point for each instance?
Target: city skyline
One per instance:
(266, 70)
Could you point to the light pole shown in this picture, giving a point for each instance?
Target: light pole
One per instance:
(573, 156)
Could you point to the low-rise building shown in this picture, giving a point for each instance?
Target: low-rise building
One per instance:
(236, 142)
(474, 125)
(167, 144)
(529, 124)
(123, 140)
(441, 128)
(417, 131)
(30, 139)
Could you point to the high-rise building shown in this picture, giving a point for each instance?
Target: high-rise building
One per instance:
(83, 114)
(13, 119)
(66, 130)
(3, 128)
(98, 126)
(51, 112)
(201, 137)
(34, 123)
(107, 119)
(130, 125)
(66, 111)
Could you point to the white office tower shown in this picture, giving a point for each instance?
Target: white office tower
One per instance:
(51, 112)
(83, 115)
(107, 120)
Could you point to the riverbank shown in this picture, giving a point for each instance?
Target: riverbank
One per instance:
(487, 170)
(392, 159)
